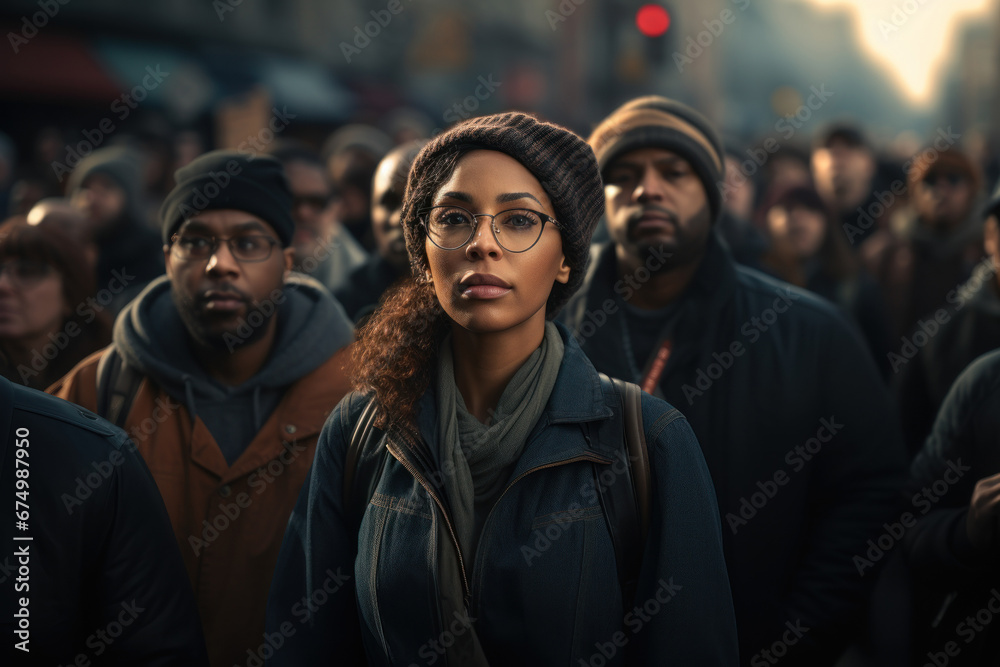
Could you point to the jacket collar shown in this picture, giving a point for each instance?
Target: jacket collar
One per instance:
(576, 398)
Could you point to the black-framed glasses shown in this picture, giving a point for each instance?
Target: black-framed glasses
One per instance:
(245, 247)
(515, 230)
(25, 272)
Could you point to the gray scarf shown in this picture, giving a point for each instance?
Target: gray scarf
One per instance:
(484, 455)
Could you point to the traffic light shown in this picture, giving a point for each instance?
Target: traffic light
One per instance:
(653, 22)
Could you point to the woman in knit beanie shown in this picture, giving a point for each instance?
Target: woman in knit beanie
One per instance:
(460, 505)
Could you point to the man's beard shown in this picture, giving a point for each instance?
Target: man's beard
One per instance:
(242, 333)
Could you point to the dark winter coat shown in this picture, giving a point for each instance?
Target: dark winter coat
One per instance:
(543, 587)
(797, 430)
(102, 579)
(958, 586)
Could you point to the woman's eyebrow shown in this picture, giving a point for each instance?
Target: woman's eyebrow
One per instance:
(461, 196)
(514, 196)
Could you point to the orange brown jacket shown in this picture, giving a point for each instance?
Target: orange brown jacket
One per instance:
(228, 520)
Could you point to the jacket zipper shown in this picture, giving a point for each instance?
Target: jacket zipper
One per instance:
(467, 590)
(437, 500)
(585, 457)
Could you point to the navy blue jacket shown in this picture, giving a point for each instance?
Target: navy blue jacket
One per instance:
(543, 588)
(101, 577)
(797, 430)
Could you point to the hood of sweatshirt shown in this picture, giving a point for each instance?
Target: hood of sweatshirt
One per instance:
(152, 338)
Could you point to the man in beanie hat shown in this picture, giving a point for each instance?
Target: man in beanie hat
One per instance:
(788, 406)
(972, 328)
(223, 372)
(106, 188)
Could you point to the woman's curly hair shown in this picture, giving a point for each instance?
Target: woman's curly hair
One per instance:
(396, 349)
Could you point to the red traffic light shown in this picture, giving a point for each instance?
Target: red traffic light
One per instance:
(652, 20)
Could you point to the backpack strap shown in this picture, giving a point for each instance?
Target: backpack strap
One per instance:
(625, 500)
(117, 385)
(365, 471)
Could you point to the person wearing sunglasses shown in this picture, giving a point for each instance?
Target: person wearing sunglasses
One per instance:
(47, 324)
(223, 372)
(933, 247)
(324, 249)
(483, 538)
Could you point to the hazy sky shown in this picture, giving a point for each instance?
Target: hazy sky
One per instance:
(911, 38)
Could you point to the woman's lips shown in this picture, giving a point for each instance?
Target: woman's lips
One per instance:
(485, 291)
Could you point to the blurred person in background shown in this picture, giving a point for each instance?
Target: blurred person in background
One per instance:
(810, 251)
(49, 320)
(973, 328)
(106, 188)
(224, 371)
(406, 124)
(362, 290)
(735, 226)
(324, 249)
(30, 185)
(844, 170)
(352, 153)
(937, 245)
(765, 372)
(954, 548)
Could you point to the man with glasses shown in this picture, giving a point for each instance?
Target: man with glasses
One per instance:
(795, 424)
(239, 362)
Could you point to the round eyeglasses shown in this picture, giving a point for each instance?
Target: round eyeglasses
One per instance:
(515, 230)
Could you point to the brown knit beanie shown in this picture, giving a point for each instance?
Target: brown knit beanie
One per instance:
(562, 162)
(658, 122)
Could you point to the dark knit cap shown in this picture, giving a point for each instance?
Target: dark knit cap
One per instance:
(658, 122)
(230, 180)
(562, 162)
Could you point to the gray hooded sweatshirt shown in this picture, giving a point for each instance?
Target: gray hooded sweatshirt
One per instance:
(152, 338)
